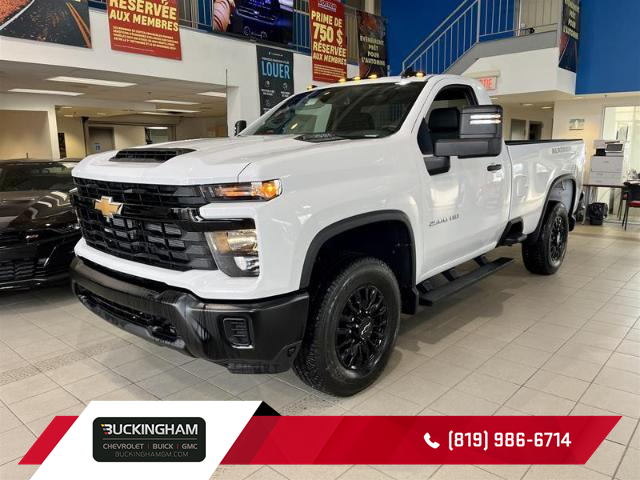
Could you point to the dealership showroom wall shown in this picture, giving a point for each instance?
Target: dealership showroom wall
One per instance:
(406, 259)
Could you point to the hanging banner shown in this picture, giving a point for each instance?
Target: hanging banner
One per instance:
(66, 23)
(328, 40)
(148, 27)
(262, 20)
(372, 44)
(275, 76)
(570, 35)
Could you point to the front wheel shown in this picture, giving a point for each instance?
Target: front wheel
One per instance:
(546, 254)
(352, 328)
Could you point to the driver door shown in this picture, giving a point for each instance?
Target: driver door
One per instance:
(465, 199)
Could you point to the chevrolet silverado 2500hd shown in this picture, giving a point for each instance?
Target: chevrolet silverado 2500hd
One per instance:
(300, 241)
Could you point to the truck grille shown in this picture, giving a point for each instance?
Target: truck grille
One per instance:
(156, 240)
(15, 270)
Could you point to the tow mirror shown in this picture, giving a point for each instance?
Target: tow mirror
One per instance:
(480, 134)
(239, 127)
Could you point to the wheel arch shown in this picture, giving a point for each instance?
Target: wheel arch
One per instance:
(398, 228)
(557, 194)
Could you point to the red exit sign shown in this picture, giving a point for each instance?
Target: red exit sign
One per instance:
(489, 83)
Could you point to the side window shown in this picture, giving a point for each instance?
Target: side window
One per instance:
(443, 119)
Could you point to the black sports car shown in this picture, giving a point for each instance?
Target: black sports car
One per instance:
(38, 226)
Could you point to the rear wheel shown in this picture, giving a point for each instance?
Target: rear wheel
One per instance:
(546, 254)
(352, 327)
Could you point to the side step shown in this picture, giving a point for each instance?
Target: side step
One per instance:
(429, 296)
(513, 239)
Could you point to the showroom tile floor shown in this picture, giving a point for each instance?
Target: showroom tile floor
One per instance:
(513, 344)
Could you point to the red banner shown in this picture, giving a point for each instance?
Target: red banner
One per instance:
(276, 440)
(149, 27)
(419, 440)
(328, 40)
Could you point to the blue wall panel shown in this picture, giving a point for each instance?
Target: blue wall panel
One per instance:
(609, 55)
(409, 22)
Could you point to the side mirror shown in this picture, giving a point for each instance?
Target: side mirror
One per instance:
(239, 127)
(480, 134)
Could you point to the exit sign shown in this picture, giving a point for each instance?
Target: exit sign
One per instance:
(489, 83)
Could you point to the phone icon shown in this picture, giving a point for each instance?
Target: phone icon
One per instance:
(427, 438)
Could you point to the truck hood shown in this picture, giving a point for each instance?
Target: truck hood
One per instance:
(217, 160)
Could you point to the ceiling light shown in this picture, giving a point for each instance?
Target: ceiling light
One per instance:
(214, 94)
(69, 116)
(179, 111)
(155, 113)
(66, 108)
(100, 114)
(175, 102)
(45, 92)
(157, 128)
(92, 81)
(527, 104)
(546, 107)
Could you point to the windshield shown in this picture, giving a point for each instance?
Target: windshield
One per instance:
(41, 176)
(358, 111)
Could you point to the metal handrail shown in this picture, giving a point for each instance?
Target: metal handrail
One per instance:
(436, 29)
(479, 21)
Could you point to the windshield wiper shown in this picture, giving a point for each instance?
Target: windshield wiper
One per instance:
(332, 137)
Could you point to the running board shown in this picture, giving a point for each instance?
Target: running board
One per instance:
(429, 296)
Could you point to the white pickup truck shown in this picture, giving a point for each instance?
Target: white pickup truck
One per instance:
(301, 240)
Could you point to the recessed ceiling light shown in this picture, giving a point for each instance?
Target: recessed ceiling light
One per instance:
(546, 107)
(155, 113)
(45, 92)
(92, 81)
(174, 102)
(66, 108)
(156, 128)
(100, 114)
(179, 111)
(527, 104)
(214, 94)
(69, 116)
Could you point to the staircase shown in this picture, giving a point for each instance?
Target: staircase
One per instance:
(480, 28)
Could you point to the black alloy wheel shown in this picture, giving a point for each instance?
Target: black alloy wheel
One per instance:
(362, 328)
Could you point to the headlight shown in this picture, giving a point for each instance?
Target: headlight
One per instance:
(235, 252)
(251, 191)
(68, 228)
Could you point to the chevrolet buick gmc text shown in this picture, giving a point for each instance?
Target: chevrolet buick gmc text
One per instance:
(301, 240)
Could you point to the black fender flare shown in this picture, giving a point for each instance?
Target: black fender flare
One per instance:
(350, 223)
(533, 236)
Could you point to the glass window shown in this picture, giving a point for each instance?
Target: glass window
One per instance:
(29, 177)
(354, 111)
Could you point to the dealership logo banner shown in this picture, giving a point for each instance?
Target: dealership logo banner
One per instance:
(62, 22)
(148, 27)
(372, 44)
(328, 40)
(156, 439)
(275, 76)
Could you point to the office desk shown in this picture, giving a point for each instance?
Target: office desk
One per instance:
(591, 188)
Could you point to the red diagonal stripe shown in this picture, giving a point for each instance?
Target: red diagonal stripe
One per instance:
(48, 440)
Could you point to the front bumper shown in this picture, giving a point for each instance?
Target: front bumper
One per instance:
(44, 262)
(261, 336)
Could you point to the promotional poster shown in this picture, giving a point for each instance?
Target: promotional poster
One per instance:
(55, 21)
(570, 35)
(372, 45)
(328, 40)
(148, 27)
(263, 20)
(275, 76)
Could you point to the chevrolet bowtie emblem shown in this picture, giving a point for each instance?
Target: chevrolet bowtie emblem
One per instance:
(107, 207)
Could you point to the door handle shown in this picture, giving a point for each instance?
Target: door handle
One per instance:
(494, 167)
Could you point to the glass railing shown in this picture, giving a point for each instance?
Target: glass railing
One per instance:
(196, 14)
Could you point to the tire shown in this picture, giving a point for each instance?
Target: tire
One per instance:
(545, 256)
(345, 347)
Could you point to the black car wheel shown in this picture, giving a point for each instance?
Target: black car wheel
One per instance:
(545, 255)
(352, 329)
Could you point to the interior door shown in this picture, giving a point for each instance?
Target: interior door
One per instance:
(466, 199)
